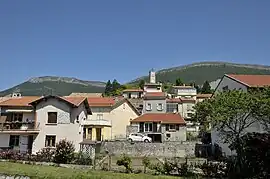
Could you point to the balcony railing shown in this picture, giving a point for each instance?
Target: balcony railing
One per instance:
(18, 127)
(98, 122)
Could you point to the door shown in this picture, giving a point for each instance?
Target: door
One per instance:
(84, 133)
(23, 144)
(98, 134)
(30, 143)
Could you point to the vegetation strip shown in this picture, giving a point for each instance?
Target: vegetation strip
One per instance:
(35, 171)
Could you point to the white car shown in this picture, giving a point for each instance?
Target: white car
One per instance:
(136, 137)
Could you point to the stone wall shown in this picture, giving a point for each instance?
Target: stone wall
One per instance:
(166, 149)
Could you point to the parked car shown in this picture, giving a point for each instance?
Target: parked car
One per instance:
(136, 137)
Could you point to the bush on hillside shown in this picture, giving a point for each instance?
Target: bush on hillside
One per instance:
(126, 162)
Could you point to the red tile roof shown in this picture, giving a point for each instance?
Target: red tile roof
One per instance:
(252, 80)
(74, 100)
(19, 101)
(101, 101)
(174, 100)
(165, 118)
(204, 95)
(133, 90)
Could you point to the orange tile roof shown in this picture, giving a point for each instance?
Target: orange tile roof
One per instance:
(101, 101)
(252, 80)
(165, 118)
(19, 101)
(133, 90)
(204, 95)
(74, 100)
(188, 100)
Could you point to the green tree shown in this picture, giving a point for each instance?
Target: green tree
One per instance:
(64, 152)
(178, 82)
(115, 87)
(141, 84)
(231, 113)
(206, 89)
(108, 88)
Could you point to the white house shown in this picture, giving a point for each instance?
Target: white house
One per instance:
(32, 123)
(239, 82)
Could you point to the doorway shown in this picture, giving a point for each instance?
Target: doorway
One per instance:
(89, 133)
(30, 143)
(98, 134)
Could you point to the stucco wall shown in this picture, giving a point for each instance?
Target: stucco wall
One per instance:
(174, 135)
(4, 140)
(67, 126)
(120, 118)
(232, 84)
(154, 104)
(185, 108)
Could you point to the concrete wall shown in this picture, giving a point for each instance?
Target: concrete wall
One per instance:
(133, 94)
(67, 126)
(174, 135)
(167, 149)
(154, 104)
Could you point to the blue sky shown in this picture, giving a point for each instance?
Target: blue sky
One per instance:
(101, 40)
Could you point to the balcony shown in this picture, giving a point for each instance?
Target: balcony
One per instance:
(99, 122)
(18, 128)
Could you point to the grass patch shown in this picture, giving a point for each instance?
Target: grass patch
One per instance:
(48, 172)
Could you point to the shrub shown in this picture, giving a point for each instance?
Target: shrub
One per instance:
(82, 159)
(126, 162)
(211, 169)
(146, 163)
(45, 155)
(64, 152)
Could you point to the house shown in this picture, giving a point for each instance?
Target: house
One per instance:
(109, 118)
(239, 82)
(161, 127)
(152, 86)
(132, 93)
(154, 102)
(188, 92)
(184, 107)
(32, 123)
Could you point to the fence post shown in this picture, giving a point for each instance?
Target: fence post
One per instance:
(110, 162)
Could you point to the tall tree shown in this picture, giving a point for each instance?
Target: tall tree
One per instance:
(141, 84)
(108, 88)
(178, 82)
(230, 114)
(206, 89)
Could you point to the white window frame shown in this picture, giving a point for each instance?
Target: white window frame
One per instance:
(148, 107)
(148, 126)
(159, 106)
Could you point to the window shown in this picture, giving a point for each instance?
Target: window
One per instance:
(99, 116)
(17, 117)
(14, 140)
(148, 127)
(225, 88)
(50, 141)
(177, 127)
(189, 115)
(159, 106)
(172, 107)
(168, 135)
(170, 127)
(141, 127)
(148, 107)
(52, 117)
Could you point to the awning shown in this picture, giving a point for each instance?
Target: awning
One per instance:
(19, 110)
